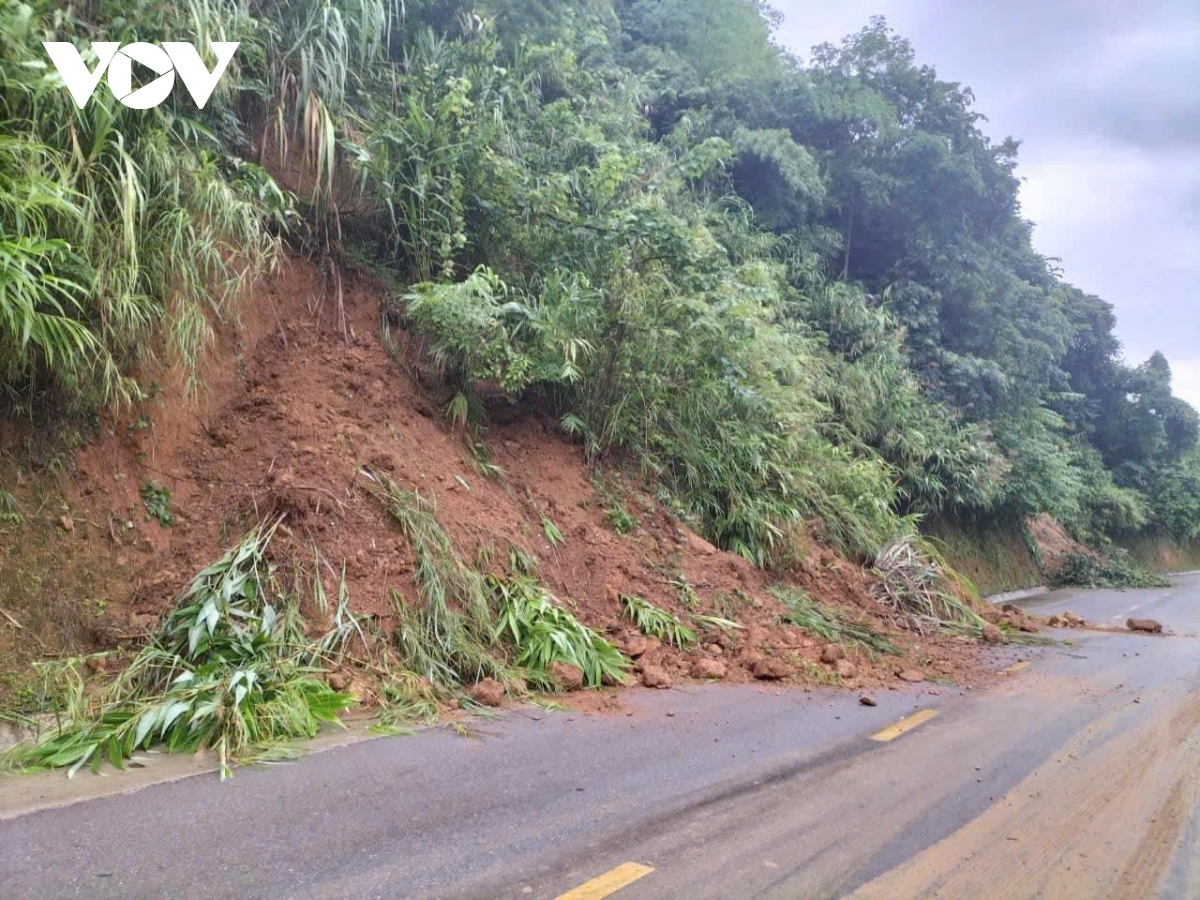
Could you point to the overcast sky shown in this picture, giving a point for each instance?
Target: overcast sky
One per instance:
(1105, 95)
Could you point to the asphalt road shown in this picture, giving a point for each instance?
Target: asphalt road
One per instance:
(1077, 776)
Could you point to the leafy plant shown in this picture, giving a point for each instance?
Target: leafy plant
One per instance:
(543, 633)
(912, 578)
(157, 500)
(1115, 570)
(620, 519)
(829, 624)
(550, 530)
(230, 669)
(656, 622)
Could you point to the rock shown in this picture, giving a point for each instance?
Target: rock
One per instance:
(360, 690)
(569, 677)
(768, 669)
(912, 676)
(991, 614)
(635, 645)
(751, 657)
(656, 677)
(867, 700)
(756, 636)
(1150, 626)
(488, 692)
(992, 634)
(1011, 608)
(337, 681)
(708, 668)
(714, 649)
(1054, 622)
(831, 654)
(700, 545)
(845, 668)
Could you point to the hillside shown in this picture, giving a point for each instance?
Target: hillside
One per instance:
(449, 341)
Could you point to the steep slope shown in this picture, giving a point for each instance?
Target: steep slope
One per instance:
(302, 395)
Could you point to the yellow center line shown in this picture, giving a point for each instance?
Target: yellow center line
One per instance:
(904, 725)
(1015, 668)
(608, 883)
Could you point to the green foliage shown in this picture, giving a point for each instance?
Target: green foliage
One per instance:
(449, 637)
(831, 625)
(157, 500)
(621, 520)
(544, 632)
(119, 225)
(655, 622)
(1115, 570)
(230, 669)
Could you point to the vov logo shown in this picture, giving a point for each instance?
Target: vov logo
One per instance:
(171, 59)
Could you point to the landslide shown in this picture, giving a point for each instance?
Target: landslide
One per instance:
(300, 397)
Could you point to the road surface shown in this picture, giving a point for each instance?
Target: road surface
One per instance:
(1077, 776)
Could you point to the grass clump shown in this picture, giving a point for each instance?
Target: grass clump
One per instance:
(230, 670)
(450, 637)
(913, 579)
(157, 500)
(656, 622)
(545, 633)
(830, 625)
(458, 635)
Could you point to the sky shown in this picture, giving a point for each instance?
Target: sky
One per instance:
(1105, 97)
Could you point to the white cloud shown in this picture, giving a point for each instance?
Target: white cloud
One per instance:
(1186, 380)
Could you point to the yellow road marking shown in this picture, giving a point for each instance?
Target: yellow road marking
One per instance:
(908, 723)
(1015, 668)
(608, 883)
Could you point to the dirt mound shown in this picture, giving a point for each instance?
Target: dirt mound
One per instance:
(306, 392)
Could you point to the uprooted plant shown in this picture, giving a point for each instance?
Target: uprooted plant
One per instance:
(656, 622)
(913, 579)
(230, 669)
(458, 634)
(829, 624)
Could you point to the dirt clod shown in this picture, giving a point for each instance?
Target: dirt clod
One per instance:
(912, 676)
(831, 654)
(656, 677)
(708, 668)
(845, 669)
(992, 634)
(867, 700)
(768, 669)
(568, 676)
(1149, 626)
(488, 692)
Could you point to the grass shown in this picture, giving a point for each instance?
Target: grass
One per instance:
(544, 633)
(449, 637)
(467, 621)
(912, 579)
(230, 669)
(656, 622)
(831, 625)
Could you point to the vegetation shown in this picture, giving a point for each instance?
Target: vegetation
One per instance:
(544, 633)
(830, 625)
(792, 291)
(457, 634)
(658, 623)
(230, 669)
